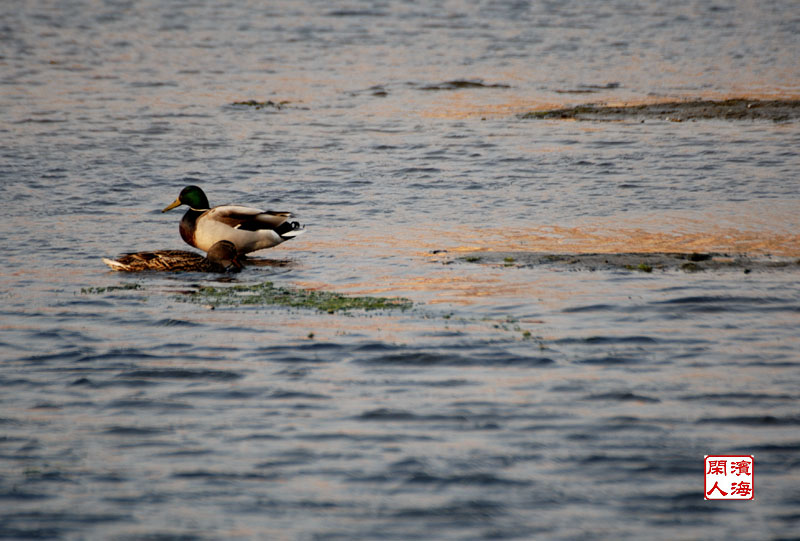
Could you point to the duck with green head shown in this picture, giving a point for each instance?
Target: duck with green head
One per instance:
(250, 229)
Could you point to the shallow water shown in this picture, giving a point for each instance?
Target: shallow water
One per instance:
(510, 401)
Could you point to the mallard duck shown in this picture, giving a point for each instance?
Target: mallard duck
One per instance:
(248, 228)
(222, 257)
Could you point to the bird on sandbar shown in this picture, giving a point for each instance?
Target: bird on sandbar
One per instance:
(250, 229)
(221, 257)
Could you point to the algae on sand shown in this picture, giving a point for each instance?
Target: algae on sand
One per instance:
(785, 110)
(261, 104)
(267, 293)
(646, 262)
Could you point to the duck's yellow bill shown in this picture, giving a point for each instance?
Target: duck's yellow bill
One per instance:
(176, 203)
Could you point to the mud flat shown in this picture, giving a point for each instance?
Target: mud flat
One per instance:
(680, 111)
(635, 262)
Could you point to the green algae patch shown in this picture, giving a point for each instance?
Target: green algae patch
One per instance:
(267, 293)
(100, 290)
(641, 267)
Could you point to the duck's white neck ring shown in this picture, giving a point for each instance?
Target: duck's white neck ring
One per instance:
(198, 210)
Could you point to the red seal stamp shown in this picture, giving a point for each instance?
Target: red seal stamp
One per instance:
(728, 477)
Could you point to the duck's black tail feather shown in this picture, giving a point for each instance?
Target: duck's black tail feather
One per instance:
(289, 230)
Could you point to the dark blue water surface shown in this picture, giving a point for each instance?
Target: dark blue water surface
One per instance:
(511, 401)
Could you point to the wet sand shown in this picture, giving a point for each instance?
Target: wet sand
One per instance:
(680, 111)
(639, 262)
